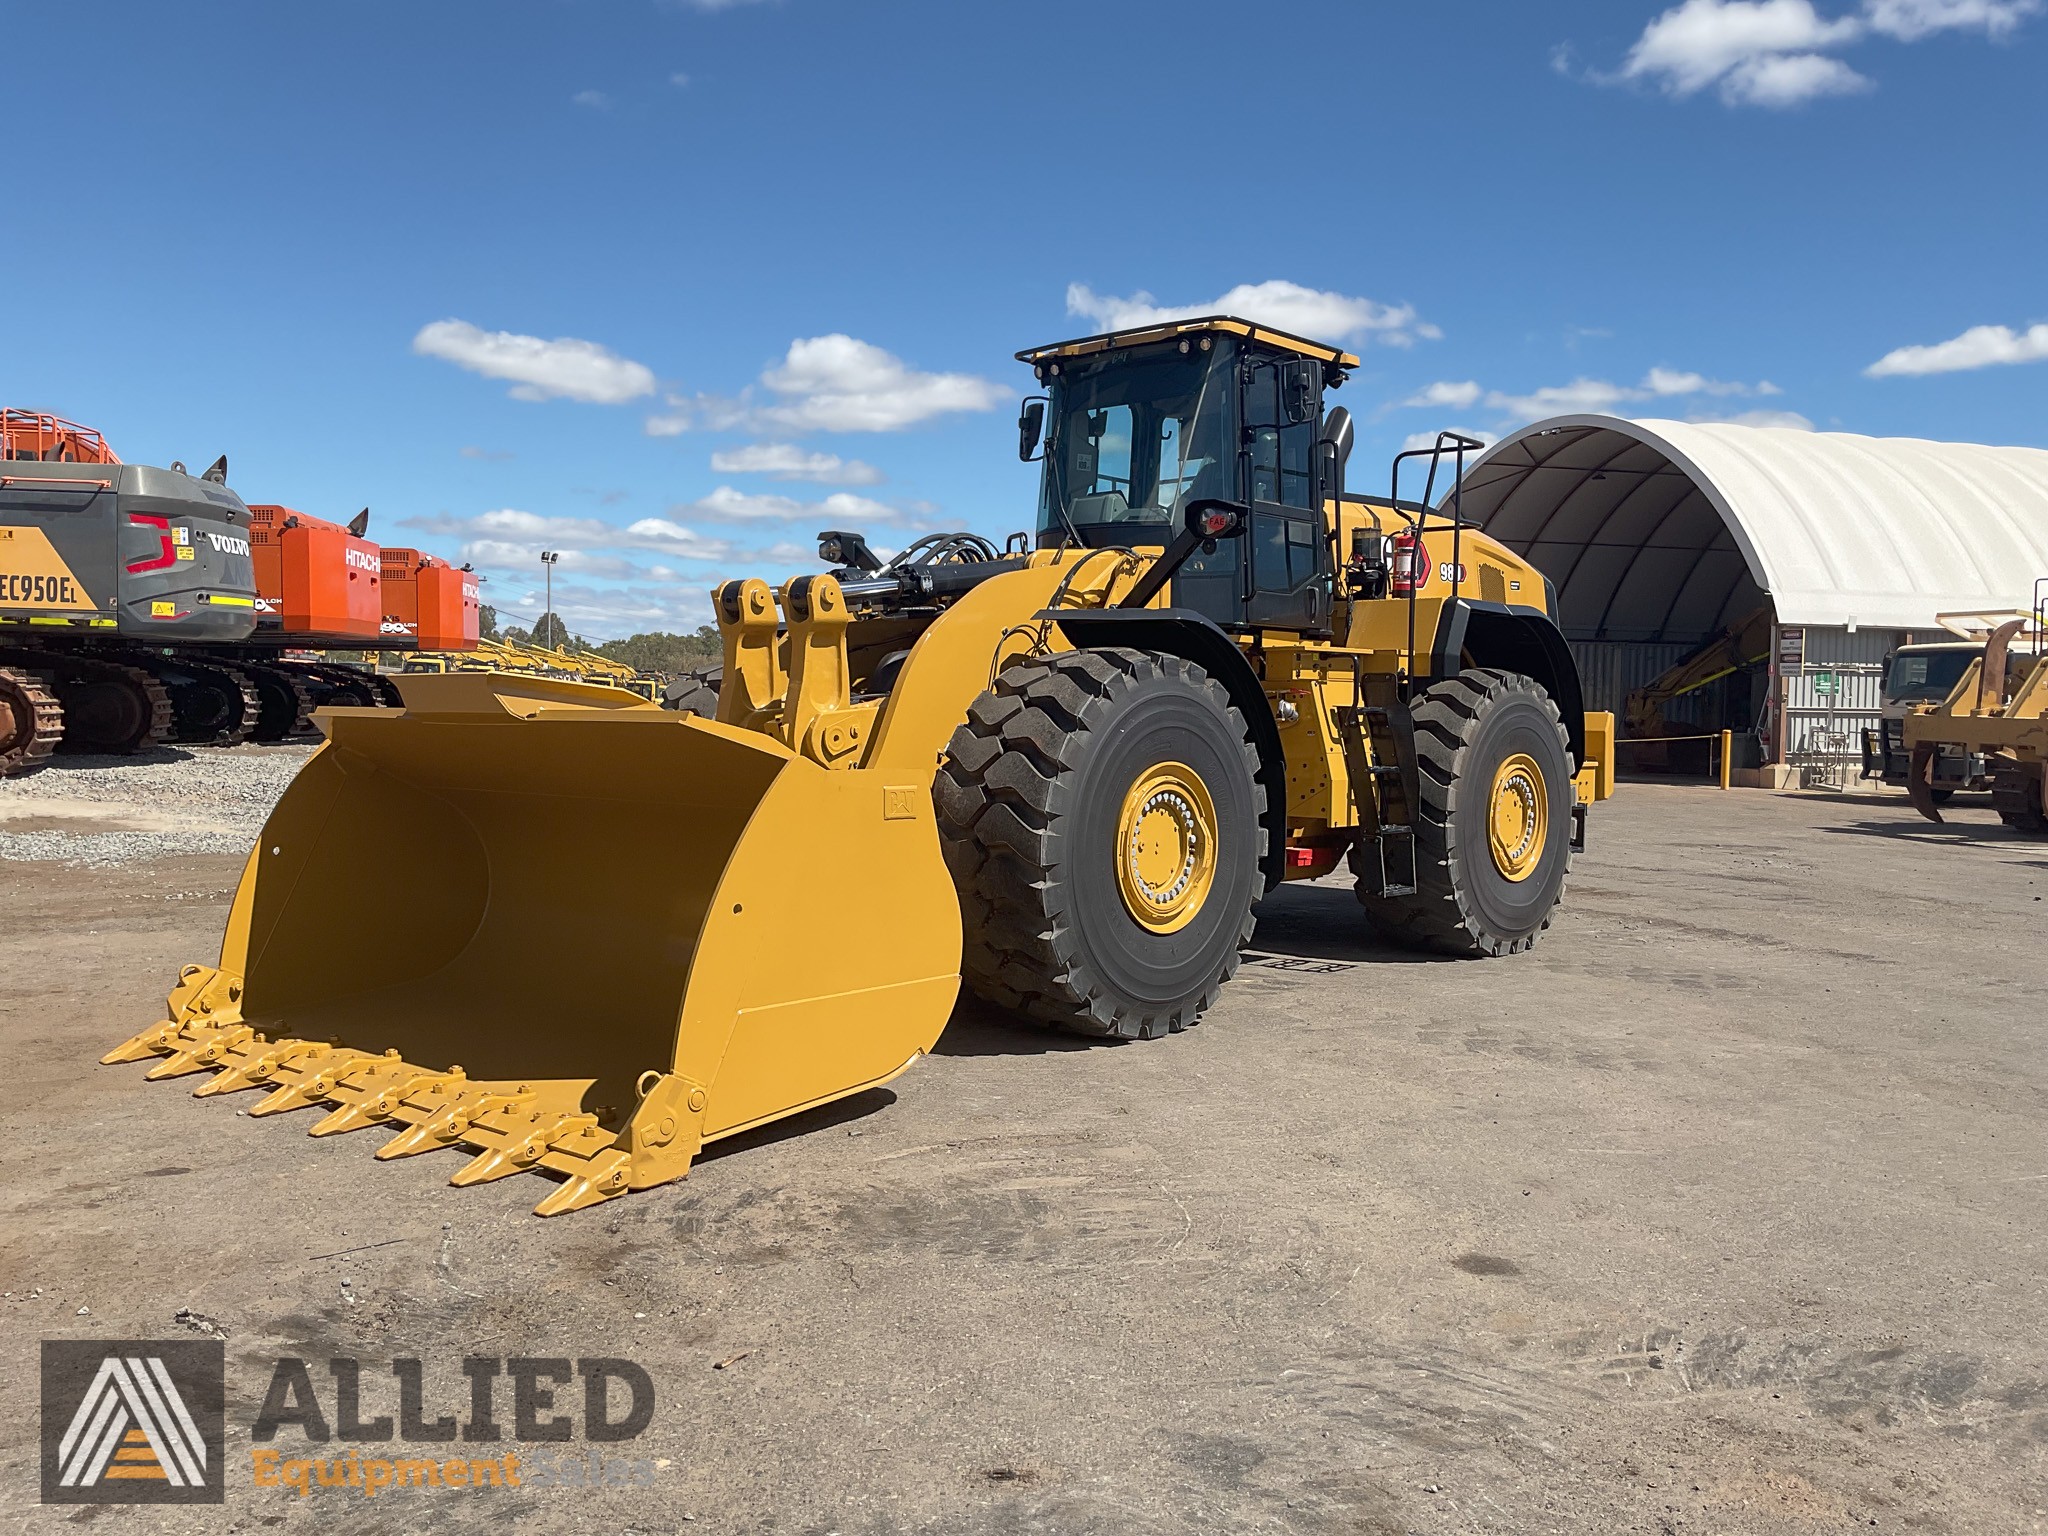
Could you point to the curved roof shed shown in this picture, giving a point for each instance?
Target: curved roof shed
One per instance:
(1670, 530)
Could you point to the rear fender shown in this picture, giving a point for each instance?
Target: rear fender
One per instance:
(1513, 639)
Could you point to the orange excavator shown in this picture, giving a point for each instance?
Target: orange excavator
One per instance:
(141, 605)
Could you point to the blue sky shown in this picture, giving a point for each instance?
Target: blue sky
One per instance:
(669, 286)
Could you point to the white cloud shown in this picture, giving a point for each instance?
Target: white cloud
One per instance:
(1415, 440)
(597, 101)
(1460, 395)
(834, 383)
(679, 79)
(509, 538)
(1693, 45)
(565, 368)
(647, 602)
(1578, 397)
(839, 384)
(786, 461)
(1981, 346)
(1788, 419)
(726, 505)
(1310, 312)
(1788, 79)
(1584, 395)
(1911, 20)
(1672, 381)
(1781, 53)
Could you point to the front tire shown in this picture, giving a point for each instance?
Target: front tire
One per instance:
(1493, 830)
(1102, 816)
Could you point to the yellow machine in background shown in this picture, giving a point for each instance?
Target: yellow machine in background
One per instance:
(1063, 773)
(1997, 711)
(539, 661)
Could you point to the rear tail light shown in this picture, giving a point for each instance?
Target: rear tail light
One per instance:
(1407, 564)
(166, 554)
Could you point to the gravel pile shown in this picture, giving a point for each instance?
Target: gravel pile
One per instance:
(99, 812)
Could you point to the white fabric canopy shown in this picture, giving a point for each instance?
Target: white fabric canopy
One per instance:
(1668, 530)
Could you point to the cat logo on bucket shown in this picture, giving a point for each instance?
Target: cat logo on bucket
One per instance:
(135, 1421)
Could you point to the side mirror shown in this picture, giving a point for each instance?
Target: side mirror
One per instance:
(1210, 519)
(1297, 391)
(1204, 522)
(1030, 424)
(1335, 446)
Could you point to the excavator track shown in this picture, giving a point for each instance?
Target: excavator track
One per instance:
(31, 722)
(347, 686)
(211, 705)
(108, 706)
(285, 703)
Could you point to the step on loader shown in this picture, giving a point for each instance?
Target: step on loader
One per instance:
(1063, 773)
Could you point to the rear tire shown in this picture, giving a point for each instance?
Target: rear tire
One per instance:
(1494, 766)
(2016, 796)
(1102, 817)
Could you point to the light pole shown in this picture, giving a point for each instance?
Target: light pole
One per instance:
(548, 557)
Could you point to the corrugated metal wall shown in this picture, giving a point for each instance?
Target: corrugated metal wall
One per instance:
(1816, 724)
(1822, 725)
(1610, 670)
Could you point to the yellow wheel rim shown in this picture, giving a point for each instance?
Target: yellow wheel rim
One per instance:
(1518, 817)
(1166, 847)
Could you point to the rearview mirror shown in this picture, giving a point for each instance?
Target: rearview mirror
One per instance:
(1030, 423)
(1334, 444)
(1297, 391)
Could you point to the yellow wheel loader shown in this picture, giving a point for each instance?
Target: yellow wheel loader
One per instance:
(1997, 711)
(1064, 772)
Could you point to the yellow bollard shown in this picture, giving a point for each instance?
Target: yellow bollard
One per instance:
(1727, 747)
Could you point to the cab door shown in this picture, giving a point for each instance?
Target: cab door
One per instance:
(1286, 551)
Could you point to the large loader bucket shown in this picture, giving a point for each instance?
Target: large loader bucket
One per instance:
(572, 931)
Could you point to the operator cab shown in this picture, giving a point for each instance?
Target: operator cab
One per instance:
(1140, 424)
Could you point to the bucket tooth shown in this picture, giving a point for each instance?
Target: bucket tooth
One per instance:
(498, 1163)
(607, 1180)
(375, 1095)
(423, 1137)
(203, 1049)
(525, 1144)
(445, 1127)
(345, 1117)
(333, 1066)
(154, 1041)
(256, 1067)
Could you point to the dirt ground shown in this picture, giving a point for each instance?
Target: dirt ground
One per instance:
(1721, 1211)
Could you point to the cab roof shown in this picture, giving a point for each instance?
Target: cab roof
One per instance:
(1166, 330)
